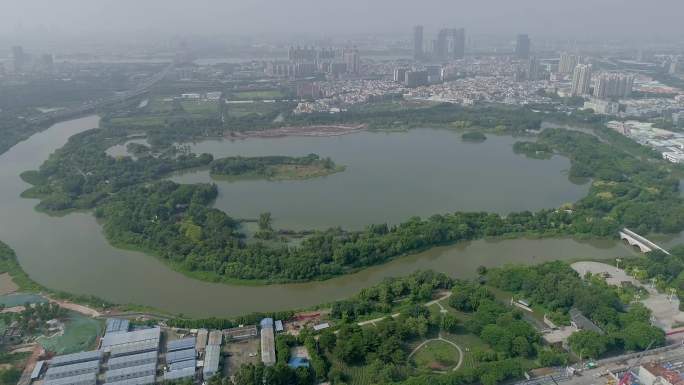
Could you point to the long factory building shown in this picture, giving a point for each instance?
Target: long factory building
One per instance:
(134, 357)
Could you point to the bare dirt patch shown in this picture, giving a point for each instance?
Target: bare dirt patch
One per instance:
(239, 353)
(7, 285)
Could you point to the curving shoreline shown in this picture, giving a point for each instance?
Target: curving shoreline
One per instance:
(123, 276)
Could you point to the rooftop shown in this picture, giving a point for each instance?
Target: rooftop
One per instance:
(583, 322)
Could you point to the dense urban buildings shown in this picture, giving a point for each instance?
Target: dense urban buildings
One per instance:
(613, 85)
(568, 62)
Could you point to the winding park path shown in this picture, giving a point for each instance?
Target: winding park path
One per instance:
(440, 338)
(426, 304)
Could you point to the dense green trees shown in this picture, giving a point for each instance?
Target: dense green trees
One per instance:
(558, 288)
(588, 344)
(666, 269)
(279, 374)
(533, 149)
(265, 166)
(417, 287)
(474, 136)
(626, 191)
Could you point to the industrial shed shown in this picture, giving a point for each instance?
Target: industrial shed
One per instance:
(110, 341)
(147, 380)
(132, 360)
(182, 365)
(134, 348)
(177, 374)
(117, 325)
(241, 332)
(130, 372)
(268, 356)
(580, 322)
(215, 337)
(185, 343)
(76, 358)
(212, 357)
(83, 379)
(202, 336)
(72, 370)
(35, 373)
(180, 355)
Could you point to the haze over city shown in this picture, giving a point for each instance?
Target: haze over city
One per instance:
(377, 192)
(111, 18)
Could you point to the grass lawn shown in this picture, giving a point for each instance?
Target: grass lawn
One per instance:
(239, 110)
(256, 95)
(436, 355)
(200, 107)
(461, 337)
(159, 106)
(139, 121)
(396, 105)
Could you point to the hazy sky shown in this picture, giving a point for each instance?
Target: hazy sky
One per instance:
(285, 17)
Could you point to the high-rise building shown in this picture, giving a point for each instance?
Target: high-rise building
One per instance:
(533, 68)
(416, 78)
(434, 73)
(581, 80)
(522, 47)
(442, 44)
(352, 59)
(676, 66)
(19, 58)
(418, 52)
(458, 42)
(568, 62)
(400, 75)
(613, 85)
(47, 62)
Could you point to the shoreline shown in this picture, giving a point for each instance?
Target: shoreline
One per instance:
(312, 131)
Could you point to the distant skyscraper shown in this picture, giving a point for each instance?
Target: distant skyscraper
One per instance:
(352, 59)
(442, 44)
(458, 42)
(47, 62)
(400, 75)
(19, 58)
(418, 52)
(613, 85)
(581, 80)
(522, 47)
(568, 62)
(533, 69)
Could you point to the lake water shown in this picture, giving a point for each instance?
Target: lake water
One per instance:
(390, 177)
(408, 169)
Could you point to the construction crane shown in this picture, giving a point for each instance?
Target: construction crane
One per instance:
(627, 376)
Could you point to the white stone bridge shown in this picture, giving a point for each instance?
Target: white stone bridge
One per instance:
(636, 240)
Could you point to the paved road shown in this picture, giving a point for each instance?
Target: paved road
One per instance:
(672, 353)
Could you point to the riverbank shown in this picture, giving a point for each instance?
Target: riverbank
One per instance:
(71, 254)
(313, 130)
(14, 279)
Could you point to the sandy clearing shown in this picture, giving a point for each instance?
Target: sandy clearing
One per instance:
(7, 285)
